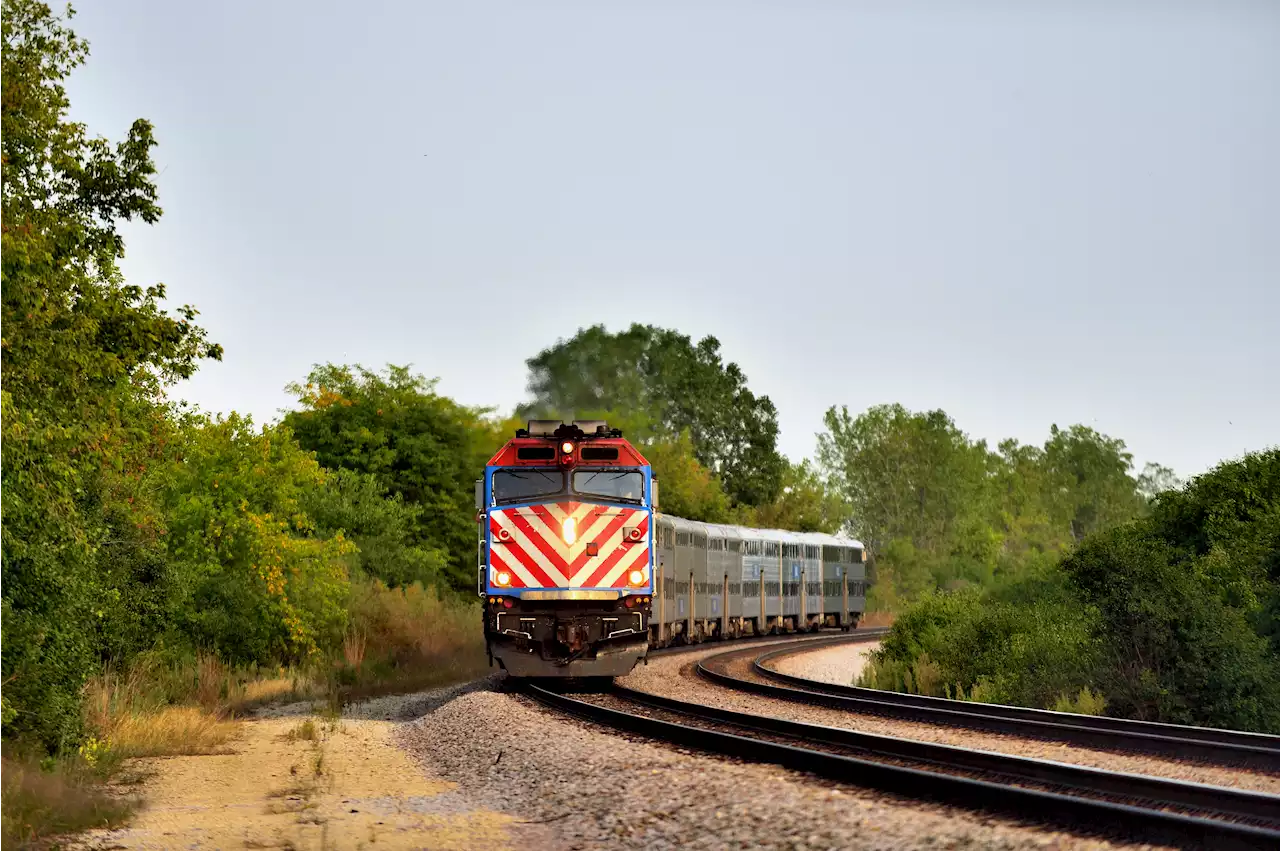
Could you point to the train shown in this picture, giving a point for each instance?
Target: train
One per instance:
(581, 575)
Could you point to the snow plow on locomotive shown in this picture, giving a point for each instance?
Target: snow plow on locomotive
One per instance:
(581, 575)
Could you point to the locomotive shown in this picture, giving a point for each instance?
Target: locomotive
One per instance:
(581, 575)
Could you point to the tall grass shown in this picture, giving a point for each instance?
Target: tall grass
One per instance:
(55, 798)
(405, 639)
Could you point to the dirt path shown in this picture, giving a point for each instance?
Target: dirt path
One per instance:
(300, 782)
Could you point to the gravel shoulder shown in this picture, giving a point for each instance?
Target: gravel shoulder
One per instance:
(839, 665)
(670, 676)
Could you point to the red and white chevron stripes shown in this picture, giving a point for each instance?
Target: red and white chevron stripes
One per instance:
(529, 543)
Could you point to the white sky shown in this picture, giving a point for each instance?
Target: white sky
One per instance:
(1022, 213)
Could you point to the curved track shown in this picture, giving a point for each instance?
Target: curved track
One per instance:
(1230, 747)
(1131, 806)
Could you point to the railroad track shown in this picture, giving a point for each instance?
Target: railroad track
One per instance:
(1128, 805)
(1229, 747)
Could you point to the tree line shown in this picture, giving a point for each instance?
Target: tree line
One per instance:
(137, 527)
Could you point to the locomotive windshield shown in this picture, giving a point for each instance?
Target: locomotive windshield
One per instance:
(525, 484)
(622, 485)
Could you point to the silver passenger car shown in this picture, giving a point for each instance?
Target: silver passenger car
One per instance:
(720, 581)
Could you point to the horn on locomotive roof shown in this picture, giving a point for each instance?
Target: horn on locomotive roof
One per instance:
(578, 429)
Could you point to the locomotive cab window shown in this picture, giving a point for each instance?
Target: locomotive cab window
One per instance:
(525, 484)
(624, 485)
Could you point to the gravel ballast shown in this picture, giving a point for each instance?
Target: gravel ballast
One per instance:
(670, 676)
(839, 665)
(594, 788)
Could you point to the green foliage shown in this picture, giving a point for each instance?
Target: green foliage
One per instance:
(1184, 598)
(263, 584)
(382, 527)
(1086, 702)
(678, 386)
(1025, 644)
(938, 510)
(1094, 468)
(85, 358)
(804, 504)
(686, 488)
(421, 447)
(910, 477)
(1169, 617)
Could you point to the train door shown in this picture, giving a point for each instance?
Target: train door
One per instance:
(713, 589)
(772, 573)
(733, 579)
(833, 597)
(857, 582)
(792, 568)
(681, 617)
(812, 590)
(752, 557)
(699, 606)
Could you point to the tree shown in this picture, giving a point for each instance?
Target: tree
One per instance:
(805, 504)
(383, 528)
(1093, 475)
(257, 580)
(686, 488)
(1173, 650)
(422, 447)
(1156, 479)
(914, 477)
(677, 386)
(85, 360)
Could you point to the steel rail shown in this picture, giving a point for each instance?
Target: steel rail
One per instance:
(1037, 805)
(1255, 750)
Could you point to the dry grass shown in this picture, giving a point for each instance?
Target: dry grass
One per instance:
(172, 731)
(307, 731)
(407, 639)
(39, 803)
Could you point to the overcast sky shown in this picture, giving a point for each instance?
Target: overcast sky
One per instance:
(1022, 213)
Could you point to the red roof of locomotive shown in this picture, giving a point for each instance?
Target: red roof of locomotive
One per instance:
(545, 437)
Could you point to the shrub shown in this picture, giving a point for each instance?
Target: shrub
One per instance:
(1012, 646)
(1173, 650)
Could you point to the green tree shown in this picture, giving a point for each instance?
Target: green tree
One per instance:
(678, 386)
(422, 447)
(1094, 471)
(908, 476)
(85, 359)
(260, 582)
(383, 528)
(1174, 651)
(686, 488)
(805, 504)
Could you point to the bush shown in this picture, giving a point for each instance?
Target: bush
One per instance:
(1173, 650)
(1010, 646)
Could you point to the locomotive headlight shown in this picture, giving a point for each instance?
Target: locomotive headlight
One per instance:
(503, 578)
(636, 577)
(566, 448)
(570, 530)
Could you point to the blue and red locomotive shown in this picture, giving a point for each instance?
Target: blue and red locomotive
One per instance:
(581, 574)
